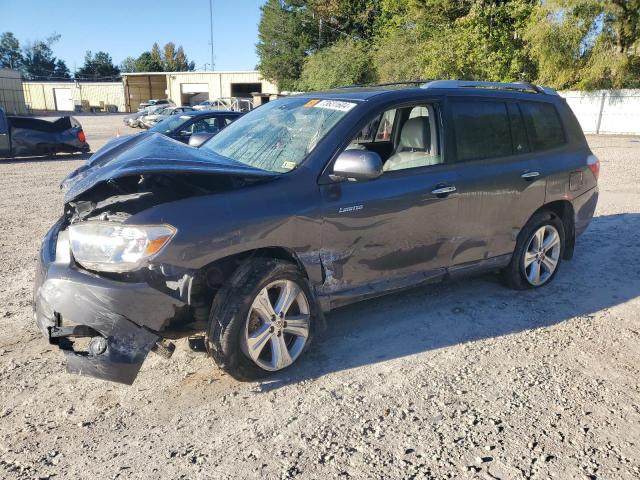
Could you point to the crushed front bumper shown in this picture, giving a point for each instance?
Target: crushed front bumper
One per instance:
(69, 301)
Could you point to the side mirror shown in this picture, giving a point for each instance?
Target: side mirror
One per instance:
(198, 139)
(357, 165)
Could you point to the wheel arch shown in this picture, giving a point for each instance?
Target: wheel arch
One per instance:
(211, 277)
(563, 209)
(221, 269)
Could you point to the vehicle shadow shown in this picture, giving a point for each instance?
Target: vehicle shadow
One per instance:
(603, 273)
(61, 157)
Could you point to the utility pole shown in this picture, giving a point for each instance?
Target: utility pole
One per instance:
(211, 31)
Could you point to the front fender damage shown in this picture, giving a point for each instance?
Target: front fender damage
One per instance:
(71, 304)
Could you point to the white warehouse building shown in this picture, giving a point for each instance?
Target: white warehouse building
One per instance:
(191, 88)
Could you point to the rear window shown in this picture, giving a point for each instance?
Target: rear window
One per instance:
(543, 125)
(481, 129)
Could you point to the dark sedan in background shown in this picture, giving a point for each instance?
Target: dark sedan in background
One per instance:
(195, 127)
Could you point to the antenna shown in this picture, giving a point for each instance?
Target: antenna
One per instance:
(211, 32)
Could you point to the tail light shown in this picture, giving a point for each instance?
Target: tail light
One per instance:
(594, 165)
(81, 136)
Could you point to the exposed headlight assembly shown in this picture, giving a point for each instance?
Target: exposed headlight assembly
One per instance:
(116, 247)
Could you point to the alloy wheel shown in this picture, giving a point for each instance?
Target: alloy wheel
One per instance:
(277, 325)
(542, 255)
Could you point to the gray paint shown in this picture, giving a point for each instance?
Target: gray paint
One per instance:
(354, 239)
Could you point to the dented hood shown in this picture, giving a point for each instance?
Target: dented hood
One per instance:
(150, 153)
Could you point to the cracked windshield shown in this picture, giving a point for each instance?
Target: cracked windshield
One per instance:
(279, 136)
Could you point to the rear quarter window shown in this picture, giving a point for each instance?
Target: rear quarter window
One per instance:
(543, 125)
(481, 129)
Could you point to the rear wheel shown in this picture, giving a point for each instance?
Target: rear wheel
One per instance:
(538, 253)
(261, 321)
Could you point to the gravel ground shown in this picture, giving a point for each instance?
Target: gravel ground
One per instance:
(462, 380)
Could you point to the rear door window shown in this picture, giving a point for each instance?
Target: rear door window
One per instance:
(520, 140)
(3, 123)
(207, 125)
(229, 120)
(543, 125)
(481, 129)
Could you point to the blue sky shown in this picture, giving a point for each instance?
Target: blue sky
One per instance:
(129, 27)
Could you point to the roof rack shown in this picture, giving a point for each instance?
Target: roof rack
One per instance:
(386, 84)
(523, 87)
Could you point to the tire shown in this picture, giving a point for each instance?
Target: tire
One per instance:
(520, 273)
(238, 319)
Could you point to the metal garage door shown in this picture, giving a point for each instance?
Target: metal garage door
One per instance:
(63, 99)
(194, 93)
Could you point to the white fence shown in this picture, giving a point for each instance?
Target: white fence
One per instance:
(606, 111)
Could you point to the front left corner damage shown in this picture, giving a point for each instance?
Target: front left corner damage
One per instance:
(127, 349)
(70, 304)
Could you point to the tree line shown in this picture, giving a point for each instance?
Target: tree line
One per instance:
(36, 61)
(581, 44)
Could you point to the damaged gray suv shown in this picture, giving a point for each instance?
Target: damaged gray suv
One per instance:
(303, 205)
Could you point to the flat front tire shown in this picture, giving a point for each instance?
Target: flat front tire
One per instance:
(261, 320)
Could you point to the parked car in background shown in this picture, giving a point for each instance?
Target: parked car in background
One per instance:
(152, 119)
(211, 105)
(235, 104)
(305, 204)
(142, 120)
(195, 127)
(133, 119)
(149, 103)
(26, 136)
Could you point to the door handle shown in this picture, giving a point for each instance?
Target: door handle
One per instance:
(529, 175)
(444, 190)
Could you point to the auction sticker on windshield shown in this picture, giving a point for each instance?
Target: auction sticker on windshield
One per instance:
(335, 105)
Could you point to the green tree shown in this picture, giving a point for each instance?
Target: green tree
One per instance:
(175, 60)
(169, 57)
(182, 62)
(146, 63)
(341, 19)
(454, 39)
(156, 55)
(284, 38)
(586, 44)
(563, 43)
(128, 65)
(392, 66)
(10, 55)
(39, 61)
(61, 70)
(97, 67)
(346, 62)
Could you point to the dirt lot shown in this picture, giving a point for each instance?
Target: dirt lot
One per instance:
(463, 380)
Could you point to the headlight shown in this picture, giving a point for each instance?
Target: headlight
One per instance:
(115, 247)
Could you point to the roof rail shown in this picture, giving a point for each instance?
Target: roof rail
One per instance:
(386, 84)
(523, 87)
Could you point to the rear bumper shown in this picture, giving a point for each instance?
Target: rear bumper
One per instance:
(584, 207)
(120, 312)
